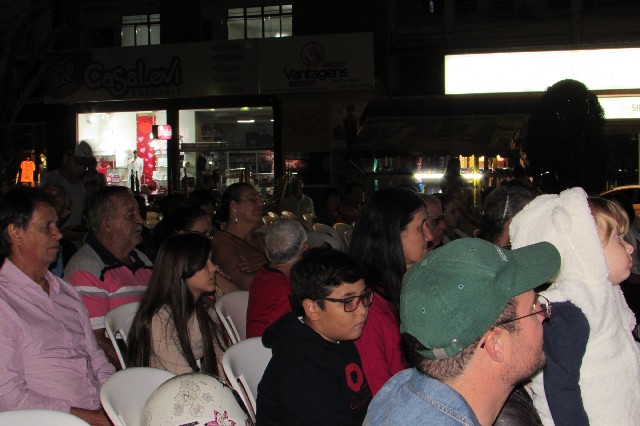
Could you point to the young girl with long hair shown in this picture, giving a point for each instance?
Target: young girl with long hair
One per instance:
(176, 328)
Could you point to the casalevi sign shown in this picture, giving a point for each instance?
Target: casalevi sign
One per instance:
(237, 67)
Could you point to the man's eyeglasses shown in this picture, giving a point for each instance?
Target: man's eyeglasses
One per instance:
(352, 303)
(541, 306)
(435, 219)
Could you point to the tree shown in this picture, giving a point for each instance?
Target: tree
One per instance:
(25, 62)
(564, 144)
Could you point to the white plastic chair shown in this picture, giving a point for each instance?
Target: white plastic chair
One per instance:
(318, 239)
(118, 322)
(329, 230)
(347, 236)
(288, 215)
(124, 394)
(40, 417)
(244, 364)
(232, 310)
(343, 229)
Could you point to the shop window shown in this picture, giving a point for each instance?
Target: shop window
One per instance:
(140, 30)
(259, 22)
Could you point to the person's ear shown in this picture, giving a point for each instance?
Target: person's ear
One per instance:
(494, 344)
(311, 309)
(305, 246)
(14, 233)
(106, 223)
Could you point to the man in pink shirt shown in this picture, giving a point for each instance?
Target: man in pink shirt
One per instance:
(49, 357)
(108, 270)
(270, 289)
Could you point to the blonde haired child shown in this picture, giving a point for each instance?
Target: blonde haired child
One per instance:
(592, 374)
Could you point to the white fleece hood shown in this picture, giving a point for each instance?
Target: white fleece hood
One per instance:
(610, 371)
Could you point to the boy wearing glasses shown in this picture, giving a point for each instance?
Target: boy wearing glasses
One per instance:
(315, 375)
(472, 327)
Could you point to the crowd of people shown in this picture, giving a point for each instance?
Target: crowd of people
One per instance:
(433, 315)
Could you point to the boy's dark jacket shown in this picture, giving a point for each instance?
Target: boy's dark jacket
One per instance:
(309, 380)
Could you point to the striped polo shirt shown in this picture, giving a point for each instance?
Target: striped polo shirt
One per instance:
(104, 282)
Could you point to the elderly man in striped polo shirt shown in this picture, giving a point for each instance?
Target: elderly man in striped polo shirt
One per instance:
(108, 270)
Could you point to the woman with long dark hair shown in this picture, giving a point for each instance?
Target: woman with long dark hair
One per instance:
(390, 236)
(176, 328)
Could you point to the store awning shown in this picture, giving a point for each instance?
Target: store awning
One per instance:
(481, 125)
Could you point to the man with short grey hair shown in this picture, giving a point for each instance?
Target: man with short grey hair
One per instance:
(270, 289)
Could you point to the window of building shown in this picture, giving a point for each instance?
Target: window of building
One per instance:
(140, 30)
(259, 22)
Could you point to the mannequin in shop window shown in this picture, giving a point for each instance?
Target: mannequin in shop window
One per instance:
(27, 167)
(136, 166)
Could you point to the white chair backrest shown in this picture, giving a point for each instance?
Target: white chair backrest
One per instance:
(318, 239)
(244, 364)
(321, 227)
(40, 417)
(347, 236)
(289, 215)
(232, 310)
(309, 217)
(118, 322)
(124, 394)
(342, 229)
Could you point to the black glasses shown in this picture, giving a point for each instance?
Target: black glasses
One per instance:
(352, 303)
(541, 306)
(436, 219)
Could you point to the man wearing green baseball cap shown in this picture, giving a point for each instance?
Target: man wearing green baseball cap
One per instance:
(472, 328)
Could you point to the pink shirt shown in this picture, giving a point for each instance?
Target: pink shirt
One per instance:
(103, 282)
(49, 357)
(379, 345)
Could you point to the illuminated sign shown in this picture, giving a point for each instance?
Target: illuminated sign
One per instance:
(598, 69)
(620, 107)
(162, 132)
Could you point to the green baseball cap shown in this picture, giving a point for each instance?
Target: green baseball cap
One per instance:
(456, 293)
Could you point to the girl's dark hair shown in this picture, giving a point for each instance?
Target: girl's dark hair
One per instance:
(376, 242)
(231, 193)
(184, 218)
(501, 205)
(200, 197)
(179, 258)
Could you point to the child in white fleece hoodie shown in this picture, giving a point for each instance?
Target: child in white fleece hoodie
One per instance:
(592, 374)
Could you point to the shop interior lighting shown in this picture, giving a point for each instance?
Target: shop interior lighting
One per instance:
(246, 121)
(431, 176)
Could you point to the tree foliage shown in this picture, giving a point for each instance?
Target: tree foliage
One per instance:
(564, 144)
(25, 62)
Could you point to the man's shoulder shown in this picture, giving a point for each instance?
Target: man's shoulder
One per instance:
(270, 278)
(85, 259)
(410, 397)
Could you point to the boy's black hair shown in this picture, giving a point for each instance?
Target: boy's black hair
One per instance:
(319, 271)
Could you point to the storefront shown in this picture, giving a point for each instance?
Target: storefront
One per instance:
(206, 114)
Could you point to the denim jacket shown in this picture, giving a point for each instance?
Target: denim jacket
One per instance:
(411, 397)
